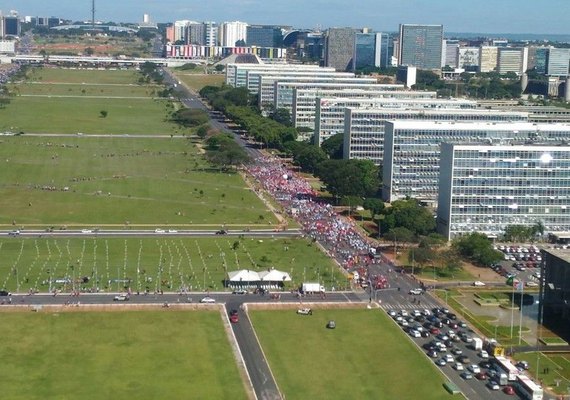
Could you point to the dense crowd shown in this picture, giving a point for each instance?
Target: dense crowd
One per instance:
(6, 71)
(337, 234)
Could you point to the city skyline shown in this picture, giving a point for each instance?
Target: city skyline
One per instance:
(507, 16)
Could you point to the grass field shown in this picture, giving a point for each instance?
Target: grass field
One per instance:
(365, 357)
(169, 264)
(198, 81)
(71, 101)
(111, 181)
(551, 368)
(137, 354)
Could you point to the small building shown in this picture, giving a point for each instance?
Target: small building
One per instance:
(554, 308)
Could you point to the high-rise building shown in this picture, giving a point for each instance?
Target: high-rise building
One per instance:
(412, 150)
(512, 59)
(12, 25)
(540, 60)
(211, 34)
(558, 62)
(488, 58)
(421, 46)
(450, 54)
(264, 35)
(468, 58)
(233, 33)
(372, 50)
(554, 297)
(339, 48)
(485, 188)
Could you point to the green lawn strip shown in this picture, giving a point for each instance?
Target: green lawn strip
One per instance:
(109, 181)
(161, 263)
(553, 341)
(86, 90)
(198, 81)
(131, 354)
(550, 367)
(73, 115)
(82, 76)
(483, 323)
(365, 357)
(442, 274)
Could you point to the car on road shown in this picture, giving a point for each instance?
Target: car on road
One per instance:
(207, 299)
(531, 284)
(492, 385)
(305, 311)
(457, 351)
(481, 376)
(158, 230)
(392, 313)
(441, 362)
(458, 367)
(5, 293)
(121, 297)
(432, 354)
(464, 359)
(172, 231)
(86, 231)
(240, 291)
(234, 318)
(416, 291)
(509, 390)
(14, 233)
(466, 375)
(474, 368)
(221, 232)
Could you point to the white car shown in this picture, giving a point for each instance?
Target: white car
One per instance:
(492, 385)
(474, 368)
(478, 283)
(207, 299)
(159, 231)
(172, 231)
(86, 231)
(305, 311)
(458, 367)
(531, 284)
(415, 334)
(121, 297)
(416, 291)
(483, 354)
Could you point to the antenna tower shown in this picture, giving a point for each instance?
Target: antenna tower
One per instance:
(93, 14)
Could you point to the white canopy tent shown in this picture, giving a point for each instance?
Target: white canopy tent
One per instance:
(269, 279)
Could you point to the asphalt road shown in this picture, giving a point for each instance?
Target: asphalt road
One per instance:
(152, 233)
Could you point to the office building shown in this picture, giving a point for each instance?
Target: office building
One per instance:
(421, 46)
(196, 33)
(305, 45)
(329, 110)
(180, 30)
(554, 297)
(512, 59)
(488, 56)
(11, 26)
(339, 48)
(283, 91)
(7, 47)
(486, 188)
(236, 74)
(411, 150)
(364, 129)
(539, 59)
(468, 58)
(372, 50)
(194, 51)
(233, 34)
(264, 36)
(451, 48)
(558, 62)
(211, 30)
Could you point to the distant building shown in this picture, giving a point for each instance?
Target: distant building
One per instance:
(554, 298)
(485, 188)
(211, 34)
(558, 62)
(305, 44)
(512, 59)
(372, 50)
(11, 26)
(406, 74)
(264, 35)
(468, 58)
(449, 58)
(538, 59)
(233, 33)
(339, 48)
(488, 56)
(421, 46)
(7, 47)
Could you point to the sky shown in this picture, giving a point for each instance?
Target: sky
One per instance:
(485, 16)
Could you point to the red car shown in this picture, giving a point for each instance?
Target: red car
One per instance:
(434, 331)
(234, 318)
(481, 376)
(509, 390)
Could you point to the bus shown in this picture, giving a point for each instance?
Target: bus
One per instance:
(504, 365)
(528, 389)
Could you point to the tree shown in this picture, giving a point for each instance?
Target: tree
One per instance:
(333, 146)
(89, 51)
(399, 235)
(224, 152)
(374, 205)
(408, 214)
(219, 68)
(349, 177)
(309, 158)
(421, 256)
(202, 131)
(478, 248)
(283, 116)
(190, 117)
(103, 113)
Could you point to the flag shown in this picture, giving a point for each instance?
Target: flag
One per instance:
(510, 281)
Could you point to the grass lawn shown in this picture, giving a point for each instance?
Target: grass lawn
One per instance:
(557, 365)
(198, 81)
(114, 180)
(85, 90)
(365, 357)
(112, 264)
(93, 76)
(72, 115)
(132, 354)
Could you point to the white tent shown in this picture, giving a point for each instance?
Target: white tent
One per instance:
(243, 275)
(274, 275)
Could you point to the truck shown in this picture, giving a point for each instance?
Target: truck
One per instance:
(477, 344)
(308, 287)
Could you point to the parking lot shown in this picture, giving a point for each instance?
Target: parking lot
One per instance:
(455, 349)
(522, 262)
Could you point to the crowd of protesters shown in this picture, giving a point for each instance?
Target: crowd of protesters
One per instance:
(319, 221)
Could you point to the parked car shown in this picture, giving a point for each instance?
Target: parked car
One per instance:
(474, 368)
(481, 376)
(483, 354)
(221, 232)
(240, 291)
(441, 362)
(458, 367)
(331, 324)
(466, 375)
(509, 390)
(305, 311)
(478, 283)
(492, 385)
(121, 297)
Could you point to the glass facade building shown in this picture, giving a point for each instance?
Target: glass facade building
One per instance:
(554, 303)
(412, 150)
(558, 62)
(264, 36)
(421, 46)
(485, 188)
